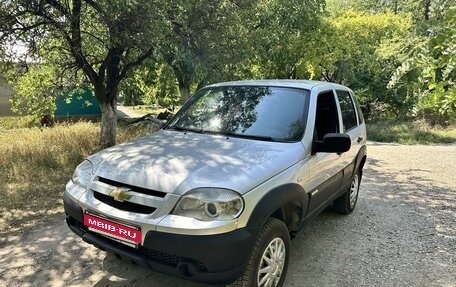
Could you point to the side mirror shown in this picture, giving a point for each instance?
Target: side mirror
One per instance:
(333, 143)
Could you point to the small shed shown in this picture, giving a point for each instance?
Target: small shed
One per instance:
(6, 93)
(77, 103)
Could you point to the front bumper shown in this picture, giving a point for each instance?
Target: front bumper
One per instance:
(216, 259)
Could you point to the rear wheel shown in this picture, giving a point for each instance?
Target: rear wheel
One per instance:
(346, 203)
(268, 262)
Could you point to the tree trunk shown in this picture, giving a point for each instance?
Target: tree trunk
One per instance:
(108, 124)
(184, 91)
(183, 76)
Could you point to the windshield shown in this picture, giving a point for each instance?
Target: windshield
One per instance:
(264, 113)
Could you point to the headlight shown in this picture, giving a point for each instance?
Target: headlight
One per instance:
(82, 174)
(209, 204)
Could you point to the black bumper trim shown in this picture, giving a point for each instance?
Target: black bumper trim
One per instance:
(216, 259)
(71, 208)
(110, 246)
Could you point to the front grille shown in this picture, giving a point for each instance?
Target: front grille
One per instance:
(123, 205)
(170, 259)
(133, 188)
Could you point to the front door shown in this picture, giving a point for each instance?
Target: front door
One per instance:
(326, 174)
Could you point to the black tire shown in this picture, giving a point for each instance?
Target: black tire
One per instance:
(274, 233)
(346, 203)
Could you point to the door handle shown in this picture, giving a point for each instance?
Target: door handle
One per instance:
(360, 139)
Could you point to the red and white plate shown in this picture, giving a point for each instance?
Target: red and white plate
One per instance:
(121, 232)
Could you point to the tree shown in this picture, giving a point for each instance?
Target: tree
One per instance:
(138, 87)
(35, 92)
(416, 8)
(358, 49)
(277, 30)
(152, 83)
(103, 39)
(205, 41)
(428, 70)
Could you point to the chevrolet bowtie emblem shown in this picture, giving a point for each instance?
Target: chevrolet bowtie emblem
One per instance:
(120, 194)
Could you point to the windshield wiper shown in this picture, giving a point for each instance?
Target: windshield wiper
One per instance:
(177, 128)
(254, 137)
(228, 134)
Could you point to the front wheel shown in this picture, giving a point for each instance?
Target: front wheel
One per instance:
(346, 203)
(268, 262)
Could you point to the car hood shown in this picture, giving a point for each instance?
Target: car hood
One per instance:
(175, 162)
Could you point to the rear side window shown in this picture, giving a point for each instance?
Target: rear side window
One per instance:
(358, 109)
(347, 109)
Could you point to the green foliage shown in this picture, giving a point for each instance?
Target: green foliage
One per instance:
(205, 42)
(37, 89)
(36, 92)
(416, 9)
(418, 38)
(164, 90)
(180, 46)
(429, 69)
(359, 49)
(137, 88)
(151, 85)
(279, 31)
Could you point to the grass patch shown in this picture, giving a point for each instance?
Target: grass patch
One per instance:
(410, 132)
(17, 122)
(36, 163)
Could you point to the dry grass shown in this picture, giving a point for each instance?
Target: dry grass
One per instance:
(417, 132)
(35, 165)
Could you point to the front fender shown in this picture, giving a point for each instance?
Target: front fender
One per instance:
(274, 200)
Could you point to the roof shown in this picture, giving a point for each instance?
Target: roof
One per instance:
(301, 84)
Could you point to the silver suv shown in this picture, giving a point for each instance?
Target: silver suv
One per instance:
(215, 195)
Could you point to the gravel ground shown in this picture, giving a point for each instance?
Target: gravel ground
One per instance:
(402, 233)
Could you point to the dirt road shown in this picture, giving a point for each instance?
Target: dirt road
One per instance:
(403, 233)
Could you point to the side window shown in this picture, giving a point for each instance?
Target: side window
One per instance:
(347, 109)
(326, 118)
(358, 109)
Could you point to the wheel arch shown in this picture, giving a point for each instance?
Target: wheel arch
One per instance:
(287, 203)
(361, 159)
